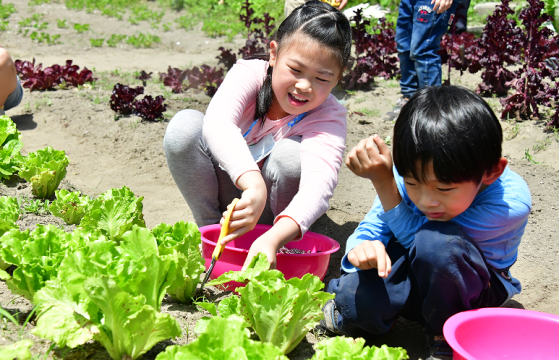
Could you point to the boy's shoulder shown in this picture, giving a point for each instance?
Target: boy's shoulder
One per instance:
(510, 187)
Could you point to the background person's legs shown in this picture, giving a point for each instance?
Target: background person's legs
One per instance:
(8, 76)
(428, 29)
(290, 5)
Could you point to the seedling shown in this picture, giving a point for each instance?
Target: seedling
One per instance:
(529, 157)
(61, 24)
(97, 42)
(143, 40)
(81, 28)
(115, 39)
(369, 112)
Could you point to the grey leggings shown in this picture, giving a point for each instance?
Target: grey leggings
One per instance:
(207, 188)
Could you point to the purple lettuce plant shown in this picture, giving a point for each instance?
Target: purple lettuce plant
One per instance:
(528, 81)
(149, 108)
(374, 53)
(122, 98)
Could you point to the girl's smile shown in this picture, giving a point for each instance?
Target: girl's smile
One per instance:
(304, 75)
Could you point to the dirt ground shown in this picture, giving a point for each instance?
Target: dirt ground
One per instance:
(107, 153)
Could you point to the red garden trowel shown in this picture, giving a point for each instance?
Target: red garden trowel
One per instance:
(218, 247)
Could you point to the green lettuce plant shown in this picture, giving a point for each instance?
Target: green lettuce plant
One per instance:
(69, 206)
(44, 169)
(10, 158)
(37, 254)
(184, 238)
(258, 265)
(113, 213)
(224, 339)
(18, 350)
(9, 214)
(8, 130)
(346, 348)
(111, 293)
(280, 311)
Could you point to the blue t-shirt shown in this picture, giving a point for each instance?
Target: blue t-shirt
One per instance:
(495, 221)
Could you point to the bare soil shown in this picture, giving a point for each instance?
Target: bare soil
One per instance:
(107, 153)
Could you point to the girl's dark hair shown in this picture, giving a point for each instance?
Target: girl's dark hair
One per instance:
(451, 126)
(320, 22)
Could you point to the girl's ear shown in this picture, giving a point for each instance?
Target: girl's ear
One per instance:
(273, 53)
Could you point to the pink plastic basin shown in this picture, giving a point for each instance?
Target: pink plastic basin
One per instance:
(291, 265)
(502, 333)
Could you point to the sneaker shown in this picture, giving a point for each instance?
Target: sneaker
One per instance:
(327, 326)
(392, 115)
(438, 348)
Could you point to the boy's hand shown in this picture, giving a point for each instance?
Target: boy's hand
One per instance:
(441, 5)
(369, 255)
(371, 159)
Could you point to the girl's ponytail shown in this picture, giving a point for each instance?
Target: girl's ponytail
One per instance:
(264, 97)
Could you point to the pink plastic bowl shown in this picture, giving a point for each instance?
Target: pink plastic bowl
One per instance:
(291, 265)
(502, 333)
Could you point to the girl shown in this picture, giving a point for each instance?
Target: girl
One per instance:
(273, 135)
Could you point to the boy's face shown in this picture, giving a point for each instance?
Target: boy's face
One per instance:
(440, 201)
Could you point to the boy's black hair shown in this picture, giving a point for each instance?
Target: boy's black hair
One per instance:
(451, 126)
(318, 21)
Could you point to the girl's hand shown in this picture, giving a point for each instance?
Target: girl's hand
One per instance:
(371, 159)
(369, 255)
(249, 208)
(283, 231)
(262, 245)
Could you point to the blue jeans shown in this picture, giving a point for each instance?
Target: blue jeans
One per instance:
(418, 36)
(443, 273)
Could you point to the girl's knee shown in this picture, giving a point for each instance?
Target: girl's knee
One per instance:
(5, 59)
(286, 158)
(183, 129)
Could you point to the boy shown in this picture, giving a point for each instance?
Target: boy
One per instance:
(421, 25)
(11, 91)
(445, 227)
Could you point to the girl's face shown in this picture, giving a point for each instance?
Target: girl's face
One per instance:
(305, 72)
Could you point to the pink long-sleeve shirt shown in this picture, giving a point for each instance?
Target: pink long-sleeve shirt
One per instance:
(323, 131)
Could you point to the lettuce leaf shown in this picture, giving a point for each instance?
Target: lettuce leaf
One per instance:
(346, 348)
(44, 169)
(258, 265)
(111, 293)
(69, 206)
(10, 158)
(9, 214)
(113, 213)
(282, 312)
(130, 327)
(8, 130)
(226, 307)
(224, 339)
(18, 350)
(37, 255)
(183, 238)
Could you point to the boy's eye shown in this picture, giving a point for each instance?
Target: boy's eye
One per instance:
(294, 70)
(322, 80)
(445, 189)
(410, 183)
